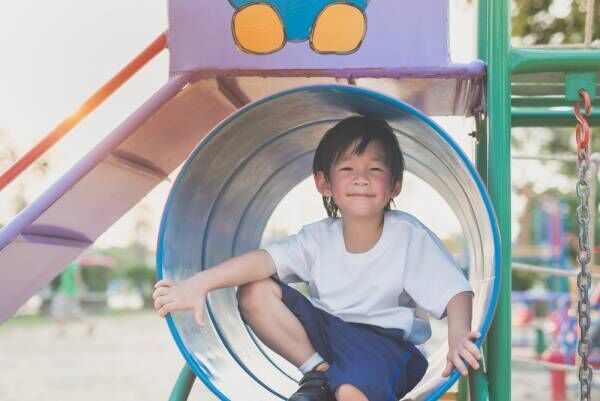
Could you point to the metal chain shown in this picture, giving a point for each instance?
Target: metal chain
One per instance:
(584, 278)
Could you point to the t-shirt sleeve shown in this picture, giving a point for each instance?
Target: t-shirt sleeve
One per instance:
(294, 256)
(432, 277)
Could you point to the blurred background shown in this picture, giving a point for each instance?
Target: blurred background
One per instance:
(92, 332)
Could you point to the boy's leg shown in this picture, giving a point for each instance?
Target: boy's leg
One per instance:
(272, 321)
(348, 392)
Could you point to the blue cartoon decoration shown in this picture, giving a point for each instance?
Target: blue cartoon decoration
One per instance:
(263, 27)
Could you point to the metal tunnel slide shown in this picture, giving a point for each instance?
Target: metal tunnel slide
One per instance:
(221, 201)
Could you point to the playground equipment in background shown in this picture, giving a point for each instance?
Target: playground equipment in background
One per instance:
(559, 327)
(543, 237)
(565, 331)
(564, 347)
(404, 54)
(563, 352)
(542, 240)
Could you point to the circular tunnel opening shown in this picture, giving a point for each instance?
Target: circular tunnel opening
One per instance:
(221, 202)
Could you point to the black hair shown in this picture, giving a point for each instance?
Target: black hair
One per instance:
(360, 130)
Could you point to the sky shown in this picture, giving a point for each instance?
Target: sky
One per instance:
(56, 54)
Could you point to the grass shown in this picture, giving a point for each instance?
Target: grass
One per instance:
(25, 321)
(37, 320)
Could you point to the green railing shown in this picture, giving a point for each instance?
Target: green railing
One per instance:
(493, 155)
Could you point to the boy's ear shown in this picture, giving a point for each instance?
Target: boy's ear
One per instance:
(397, 188)
(322, 184)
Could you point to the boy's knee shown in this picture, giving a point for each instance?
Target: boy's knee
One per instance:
(252, 296)
(348, 392)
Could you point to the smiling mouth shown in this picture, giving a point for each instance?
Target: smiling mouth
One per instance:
(361, 195)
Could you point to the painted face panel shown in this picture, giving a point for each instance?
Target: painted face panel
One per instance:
(263, 27)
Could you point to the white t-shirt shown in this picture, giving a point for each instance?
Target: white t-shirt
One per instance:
(372, 287)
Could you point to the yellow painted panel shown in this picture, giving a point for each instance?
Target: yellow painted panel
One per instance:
(257, 28)
(340, 28)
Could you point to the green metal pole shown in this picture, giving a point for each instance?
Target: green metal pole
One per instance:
(463, 389)
(481, 120)
(481, 161)
(547, 101)
(478, 383)
(534, 117)
(499, 186)
(478, 386)
(183, 386)
(538, 60)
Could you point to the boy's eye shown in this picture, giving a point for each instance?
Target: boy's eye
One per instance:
(376, 169)
(346, 168)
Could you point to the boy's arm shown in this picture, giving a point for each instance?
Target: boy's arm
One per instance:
(191, 293)
(460, 346)
(246, 268)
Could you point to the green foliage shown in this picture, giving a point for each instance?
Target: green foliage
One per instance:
(96, 278)
(559, 142)
(562, 141)
(8, 155)
(571, 225)
(141, 277)
(133, 255)
(551, 21)
(135, 265)
(522, 281)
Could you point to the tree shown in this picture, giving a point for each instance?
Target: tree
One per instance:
(551, 21)
(555, 22)
(8, 155)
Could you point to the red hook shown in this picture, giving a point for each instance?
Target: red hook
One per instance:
(582, 125)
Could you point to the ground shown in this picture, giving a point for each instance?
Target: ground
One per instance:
(131, 356)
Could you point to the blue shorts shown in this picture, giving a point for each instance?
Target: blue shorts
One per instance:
(376, 360)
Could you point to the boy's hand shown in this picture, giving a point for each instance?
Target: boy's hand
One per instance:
(460, 347)
(170, 297)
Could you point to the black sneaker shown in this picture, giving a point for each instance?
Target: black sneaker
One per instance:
(313, 387)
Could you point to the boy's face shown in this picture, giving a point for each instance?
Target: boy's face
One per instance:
(360, 184)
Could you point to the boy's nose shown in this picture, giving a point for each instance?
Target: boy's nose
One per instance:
(360, 179)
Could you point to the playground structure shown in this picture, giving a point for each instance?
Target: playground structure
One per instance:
(211, 79)
(554, 341)
(543, 237)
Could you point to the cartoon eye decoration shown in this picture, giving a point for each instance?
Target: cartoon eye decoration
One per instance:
(332, 27)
